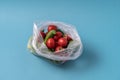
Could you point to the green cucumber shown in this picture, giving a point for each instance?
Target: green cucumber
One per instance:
(49, 35)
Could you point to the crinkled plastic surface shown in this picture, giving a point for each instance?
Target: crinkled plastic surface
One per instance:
(72, 52)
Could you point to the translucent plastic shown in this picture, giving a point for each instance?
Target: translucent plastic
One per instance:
(72, 52)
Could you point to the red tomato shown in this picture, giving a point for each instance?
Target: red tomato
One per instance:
(52, 27)
(59, 34)
(43, 34)
(68, 37)
(56, 38)
(56, 44)
(50, 43)
(58, 48)
(62, 42)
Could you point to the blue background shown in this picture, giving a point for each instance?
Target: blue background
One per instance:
(98, 24)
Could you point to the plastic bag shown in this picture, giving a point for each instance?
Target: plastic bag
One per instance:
(72, 52)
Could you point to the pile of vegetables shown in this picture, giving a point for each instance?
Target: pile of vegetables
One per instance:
(55, 39)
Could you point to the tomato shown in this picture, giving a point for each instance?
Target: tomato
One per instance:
(58, 48)
(43, 34)
(52, 27)
(68, 37)
(59, 34)
(50, 43)
(56, 38)
(62, 42)
(56, 44)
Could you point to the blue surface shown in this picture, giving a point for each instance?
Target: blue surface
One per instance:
(98, 23)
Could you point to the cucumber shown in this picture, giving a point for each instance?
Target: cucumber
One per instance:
(49, 35)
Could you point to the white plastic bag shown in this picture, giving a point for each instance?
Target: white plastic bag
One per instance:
(73, 51)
